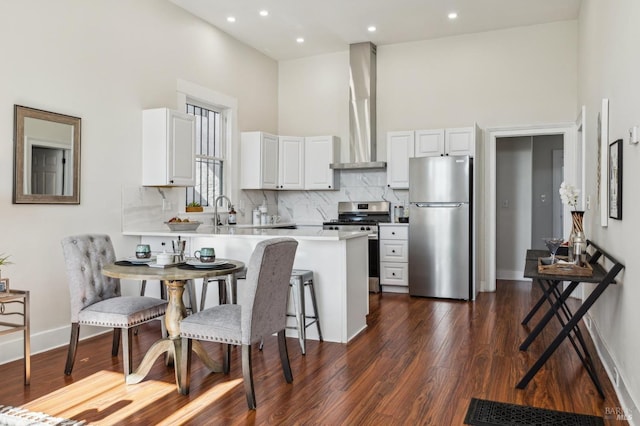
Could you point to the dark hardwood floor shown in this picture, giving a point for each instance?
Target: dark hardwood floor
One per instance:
(419, 362)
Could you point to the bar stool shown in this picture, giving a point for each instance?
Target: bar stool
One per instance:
(226, 294)
(301, 279)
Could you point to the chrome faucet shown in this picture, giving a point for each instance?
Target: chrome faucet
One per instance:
(216, 219)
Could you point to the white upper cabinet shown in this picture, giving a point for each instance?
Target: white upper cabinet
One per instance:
(320, 152)
(168, 148)
(403, 145)
(400, 147)
(259, 166)
(429, 143)
(460, 141)
(287, 162)
(291, 162)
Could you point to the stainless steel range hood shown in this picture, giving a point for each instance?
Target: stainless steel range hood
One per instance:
(362, 109)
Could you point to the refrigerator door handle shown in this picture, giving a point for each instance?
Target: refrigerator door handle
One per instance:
(445, 205)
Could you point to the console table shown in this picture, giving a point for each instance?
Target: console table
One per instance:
(602, 276)
(8, 300)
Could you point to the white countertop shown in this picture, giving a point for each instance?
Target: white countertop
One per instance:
(393, 224)
(251, 231)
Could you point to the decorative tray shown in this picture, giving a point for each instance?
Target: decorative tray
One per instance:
(563, 268)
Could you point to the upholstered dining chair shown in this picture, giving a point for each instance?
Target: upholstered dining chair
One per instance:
(261, 311)
(96, 299)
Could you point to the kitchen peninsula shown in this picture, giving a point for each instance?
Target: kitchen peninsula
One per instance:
(337, 259)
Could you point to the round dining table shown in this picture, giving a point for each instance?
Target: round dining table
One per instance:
(175, 279)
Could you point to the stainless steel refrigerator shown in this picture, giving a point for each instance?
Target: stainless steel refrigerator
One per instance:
(440, 227)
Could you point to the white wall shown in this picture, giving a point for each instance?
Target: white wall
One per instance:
(103, 61)
(521, 75)
(525, 75)
(609, 64)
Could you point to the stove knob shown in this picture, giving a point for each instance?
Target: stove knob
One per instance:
(362, 228)
(368, 228)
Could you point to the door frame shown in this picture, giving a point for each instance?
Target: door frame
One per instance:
(568, 131)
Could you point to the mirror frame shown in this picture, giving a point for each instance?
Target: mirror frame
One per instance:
(19, 197)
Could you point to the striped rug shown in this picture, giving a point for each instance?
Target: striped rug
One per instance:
(16, 416)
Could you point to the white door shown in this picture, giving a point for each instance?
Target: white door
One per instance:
(47, 171)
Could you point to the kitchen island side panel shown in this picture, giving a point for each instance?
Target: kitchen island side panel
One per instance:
(340, 279)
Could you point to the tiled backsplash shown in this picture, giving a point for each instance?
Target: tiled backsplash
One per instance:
(355, 185)
(146, 208)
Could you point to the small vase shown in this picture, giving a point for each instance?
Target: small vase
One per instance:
(577, 240)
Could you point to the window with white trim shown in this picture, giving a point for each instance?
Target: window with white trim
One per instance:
(209, 155)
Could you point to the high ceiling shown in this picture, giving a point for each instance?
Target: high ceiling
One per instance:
(331, 25)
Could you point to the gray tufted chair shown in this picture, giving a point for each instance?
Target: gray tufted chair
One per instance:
(261, 312)
(96, 299)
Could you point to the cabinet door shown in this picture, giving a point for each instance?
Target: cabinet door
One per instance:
(399, 150)
(181, 149)
(429, 143)
(319, 153)
(168, 148)
(460, 141)
(269, 153)
(291, 162)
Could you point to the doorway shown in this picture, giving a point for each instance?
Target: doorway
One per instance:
(528, 207)
(570, 174)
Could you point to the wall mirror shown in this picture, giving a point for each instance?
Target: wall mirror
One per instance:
(47, 157)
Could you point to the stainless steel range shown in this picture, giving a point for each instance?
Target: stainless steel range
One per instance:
(360, 216)
(364, 216)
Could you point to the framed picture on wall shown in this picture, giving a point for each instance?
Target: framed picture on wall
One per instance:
(615, 180)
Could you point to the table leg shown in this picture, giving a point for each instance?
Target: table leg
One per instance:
(27, 340)
(550, 314)
(172, 344)
(538, 305)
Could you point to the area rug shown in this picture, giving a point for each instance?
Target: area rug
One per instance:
(490, 413)
(16, 416)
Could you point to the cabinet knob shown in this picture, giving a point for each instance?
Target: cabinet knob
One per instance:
(393, 233)
(393, 251)
(329, 186)
(393, 273)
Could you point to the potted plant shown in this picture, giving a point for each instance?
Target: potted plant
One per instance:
(194, 207)
(3, 261)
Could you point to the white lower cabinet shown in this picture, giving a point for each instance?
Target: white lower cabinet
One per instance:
(394, 258)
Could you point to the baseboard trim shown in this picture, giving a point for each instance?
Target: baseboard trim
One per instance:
(11, 349)
(629, 409)
(511, 275)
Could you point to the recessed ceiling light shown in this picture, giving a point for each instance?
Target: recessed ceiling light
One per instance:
(371, 28)
(452, 15)
(264, 13)
(300, 40)
(231, 19)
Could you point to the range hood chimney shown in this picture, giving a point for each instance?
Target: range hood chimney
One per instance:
(362, 109)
